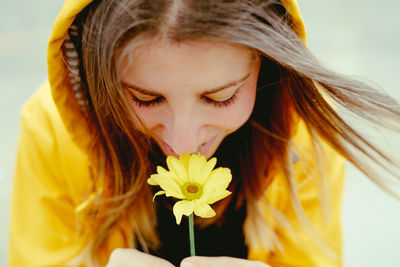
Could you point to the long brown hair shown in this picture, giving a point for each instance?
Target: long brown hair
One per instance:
(298, 87)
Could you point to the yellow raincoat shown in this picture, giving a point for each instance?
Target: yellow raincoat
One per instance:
(52, 178)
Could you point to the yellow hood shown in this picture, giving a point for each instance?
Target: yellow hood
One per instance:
(62, 92)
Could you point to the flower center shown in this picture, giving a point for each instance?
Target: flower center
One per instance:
(192, 190)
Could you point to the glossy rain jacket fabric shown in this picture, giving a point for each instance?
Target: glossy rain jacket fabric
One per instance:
(52, 178)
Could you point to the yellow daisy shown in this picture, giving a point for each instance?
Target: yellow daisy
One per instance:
(192, 179)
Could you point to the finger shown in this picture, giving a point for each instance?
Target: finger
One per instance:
(199, 261)
(127, 257)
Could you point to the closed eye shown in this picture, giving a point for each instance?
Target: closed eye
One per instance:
(217, 99)
(158, 100)
(223, 102)
(222, 96)
(145, 100)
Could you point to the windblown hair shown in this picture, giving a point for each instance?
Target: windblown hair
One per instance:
(298, 87)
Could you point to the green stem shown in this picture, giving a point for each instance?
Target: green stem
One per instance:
(191, 235)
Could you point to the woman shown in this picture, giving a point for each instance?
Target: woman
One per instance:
(133, 81)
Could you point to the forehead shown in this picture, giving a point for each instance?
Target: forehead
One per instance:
(200, 65)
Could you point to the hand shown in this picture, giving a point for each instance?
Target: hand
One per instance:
(220, 262)
(128, 257)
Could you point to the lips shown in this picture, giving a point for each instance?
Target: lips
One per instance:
(203, 149)
(198, 148)
(168, 150)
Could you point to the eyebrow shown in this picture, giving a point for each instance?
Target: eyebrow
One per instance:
(211, 91)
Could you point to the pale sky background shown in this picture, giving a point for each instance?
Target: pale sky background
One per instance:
(360, 38)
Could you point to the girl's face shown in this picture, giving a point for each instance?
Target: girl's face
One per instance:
(191, 95)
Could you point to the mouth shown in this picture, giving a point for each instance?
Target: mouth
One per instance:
(168, 149)
(198, 148)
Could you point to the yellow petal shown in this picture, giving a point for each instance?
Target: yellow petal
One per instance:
(183, 207)
(206, 170)
(174, 177)
(218, 195)
(196, 163)
(158, 193)
(154, 178)
(177, 168)
(185, 160)
(219, 179)
(151, 181)
(206, 195)
(168, 184)
(161, 170)
(203, 210)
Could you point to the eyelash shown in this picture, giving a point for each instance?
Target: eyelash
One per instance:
(140, 103)
(158, 100)
(221, 104)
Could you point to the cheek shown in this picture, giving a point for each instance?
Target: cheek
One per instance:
(245, 107)
(234, 116)
(149, 116)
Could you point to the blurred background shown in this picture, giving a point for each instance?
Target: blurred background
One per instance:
(360, 38)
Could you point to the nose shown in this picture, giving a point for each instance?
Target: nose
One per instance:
(182, 132)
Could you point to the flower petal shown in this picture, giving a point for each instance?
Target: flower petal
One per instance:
(206, 170)
(218, 195)
(203, 210)
(158, 193)
(218, 179)
(176, 167)
(168, 184)
(161, 170)
(207, 195)
(151, 181)
(196, 163)
(185, 160)
(183, 207)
